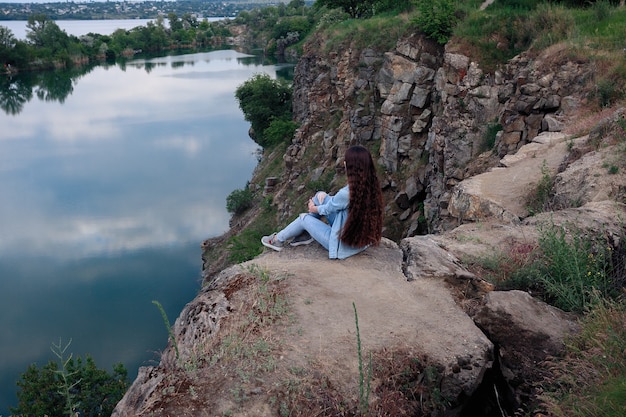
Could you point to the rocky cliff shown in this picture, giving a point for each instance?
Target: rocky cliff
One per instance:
(430, 112)
(404, 328)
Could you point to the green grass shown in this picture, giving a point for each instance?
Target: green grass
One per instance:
(364, 383)
(539, 200)
(573, 269)
(271, 164)
(568, 268)
(489, 137)
(324, 183)
(362, 33)
(168, 327)
(66, 375)
(247, 244)
(503, 30)
(507, 28)
(605, 30)
(577, 272)
(590, 380)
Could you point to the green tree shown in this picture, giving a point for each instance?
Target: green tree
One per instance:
(366, 8)
(262, 101)
(355, 8)
(94, 391)
(190, 20)
(296, 4)
(436, 19)
(279, 131)
(38, 393)
(7, 43)
(18, 56)
(239, 201)
(297, 24)
(381, 6)
(45, 33)
(98, 391)
(36, 27)
(119, 41)
(175, 23)
(7, 39)
(152, 37)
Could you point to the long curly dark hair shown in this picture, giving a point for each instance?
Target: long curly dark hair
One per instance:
(364, 225)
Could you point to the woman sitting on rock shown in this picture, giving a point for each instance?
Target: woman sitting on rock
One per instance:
(354, 216)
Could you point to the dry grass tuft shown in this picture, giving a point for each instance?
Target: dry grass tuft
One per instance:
(585, 119)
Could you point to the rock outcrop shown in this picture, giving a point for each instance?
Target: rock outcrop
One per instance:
(434, 113)
(281, 334)
(291, 333)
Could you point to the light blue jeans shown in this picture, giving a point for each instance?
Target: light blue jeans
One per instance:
(312, 223)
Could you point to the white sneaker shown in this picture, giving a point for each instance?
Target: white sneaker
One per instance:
(272, 242)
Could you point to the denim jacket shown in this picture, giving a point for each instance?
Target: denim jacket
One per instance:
(335, 209)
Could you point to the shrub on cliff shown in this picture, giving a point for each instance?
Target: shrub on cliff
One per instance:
(264, 100)
(437, 19)
(279, 131)
(78, 385)
(239, 201)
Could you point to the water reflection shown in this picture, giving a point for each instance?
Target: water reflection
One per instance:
(110, 178)
(14, 94)
(99, 164)
(18, 89)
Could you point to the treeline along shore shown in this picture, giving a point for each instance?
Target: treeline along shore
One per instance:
(47, 46)
(176, 25)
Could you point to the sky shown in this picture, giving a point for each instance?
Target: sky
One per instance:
(62, 1)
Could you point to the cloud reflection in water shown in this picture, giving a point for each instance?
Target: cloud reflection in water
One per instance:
(132, 159)
(104, 201)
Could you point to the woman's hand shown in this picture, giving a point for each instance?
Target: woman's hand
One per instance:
(312, 206)
(321, 196)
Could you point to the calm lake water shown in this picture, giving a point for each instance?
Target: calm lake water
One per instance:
(109, 182)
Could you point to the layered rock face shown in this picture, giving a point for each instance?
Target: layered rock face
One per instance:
(432, 112)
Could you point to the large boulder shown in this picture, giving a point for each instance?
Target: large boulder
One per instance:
(526, 332)
(315, 334)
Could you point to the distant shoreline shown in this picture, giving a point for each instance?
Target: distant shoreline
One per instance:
(118, 10)
(79, 27)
